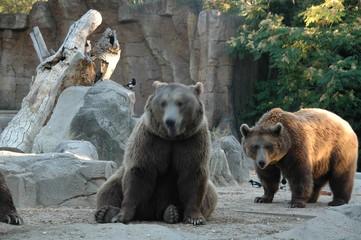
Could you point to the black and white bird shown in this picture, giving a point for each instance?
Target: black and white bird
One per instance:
(131, 84)
(255, 184)
(283, 182)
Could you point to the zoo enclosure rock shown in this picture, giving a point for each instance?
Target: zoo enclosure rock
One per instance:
(100, 114)
(53, 179)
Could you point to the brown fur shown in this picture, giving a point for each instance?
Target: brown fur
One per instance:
(165, 163)
(8, 212)
(310, 148)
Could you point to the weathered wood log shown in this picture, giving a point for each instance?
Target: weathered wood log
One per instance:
(39, 44)
(107, 50)
(69, 66)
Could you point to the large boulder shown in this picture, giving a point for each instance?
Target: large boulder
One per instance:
(228, 166)
(220, 173)
(239, 164)
(101, 114)
(52, 179)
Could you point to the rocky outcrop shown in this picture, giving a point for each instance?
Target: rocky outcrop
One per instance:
(228, 166)
(51, 179)
(101, 114)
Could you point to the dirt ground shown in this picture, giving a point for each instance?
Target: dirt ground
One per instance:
(236, 217)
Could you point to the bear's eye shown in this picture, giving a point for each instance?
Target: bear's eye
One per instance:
(179, 103)
(269, 148)
(163, 104)
(254, 148)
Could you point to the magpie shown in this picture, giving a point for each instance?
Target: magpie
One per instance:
(131, 84)
(284, 181)
(255, 184)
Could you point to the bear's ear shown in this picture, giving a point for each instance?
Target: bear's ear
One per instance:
(245, 130)
(157, 84)
(198, 88)
(277, 129)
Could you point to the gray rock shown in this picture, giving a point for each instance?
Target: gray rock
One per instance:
(14, 21)
(101, 115)
(220, 173)
(105, 119)
(81, 149)
(58, 127)
(54, 178)
(237, 161)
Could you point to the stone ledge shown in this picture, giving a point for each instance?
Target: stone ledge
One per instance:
(14, 21)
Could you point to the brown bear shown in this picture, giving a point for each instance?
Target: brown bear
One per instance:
(164, 175)
(8, 212)
(309, 148)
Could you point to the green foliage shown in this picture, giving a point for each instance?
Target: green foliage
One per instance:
(314, 66)
(228, 6)
(331, 11)
(16, 6)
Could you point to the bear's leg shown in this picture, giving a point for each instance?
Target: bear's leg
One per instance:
(173, 213)
(210, 200)
(164, 204)
(342, 176)
(270, 179)
(139, 185)
(109, 198)
(8, 212)
(191, 193)
(317, 186)
(301, 185)
(341, 187)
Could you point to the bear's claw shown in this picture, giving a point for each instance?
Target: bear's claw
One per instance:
(262, 200)
(13, 219)
(195, 221)
(171, 214)
(106, 214)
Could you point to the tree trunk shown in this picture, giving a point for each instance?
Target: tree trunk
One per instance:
(69, 66)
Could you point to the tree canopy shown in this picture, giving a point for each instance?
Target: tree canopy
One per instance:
(16, 6)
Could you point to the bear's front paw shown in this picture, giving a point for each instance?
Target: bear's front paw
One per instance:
(12, 218)
(106, 214)
(121, 217)
(195, 220)
(262, 200)
(296, 204)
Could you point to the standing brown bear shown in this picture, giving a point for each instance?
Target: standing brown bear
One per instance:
(8, 212)
(165, 173)
(310, 148)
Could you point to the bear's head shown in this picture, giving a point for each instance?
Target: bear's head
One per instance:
(265, 144)
(174, 111)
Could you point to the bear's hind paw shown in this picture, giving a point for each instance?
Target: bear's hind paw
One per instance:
(337, 202)
(171, 214)
(106, 214)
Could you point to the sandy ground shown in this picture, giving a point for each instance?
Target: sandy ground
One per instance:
(236, 217)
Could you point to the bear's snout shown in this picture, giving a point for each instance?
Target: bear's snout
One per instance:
(261, 163)
(170, 122)
(171, 127)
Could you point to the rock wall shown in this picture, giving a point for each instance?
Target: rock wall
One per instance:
(160, 40)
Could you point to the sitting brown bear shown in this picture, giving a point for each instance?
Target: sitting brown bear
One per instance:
(165, 173)
(310, 148)
(8, 212)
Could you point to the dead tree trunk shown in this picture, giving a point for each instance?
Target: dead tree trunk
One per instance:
(69, 66)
